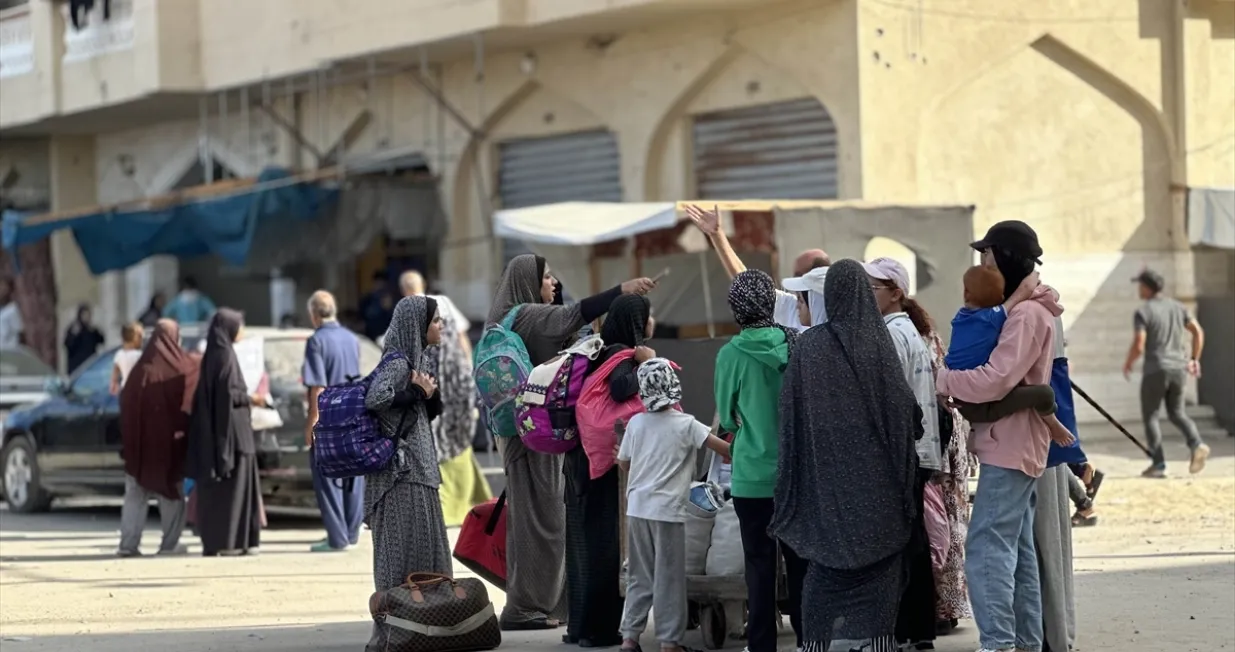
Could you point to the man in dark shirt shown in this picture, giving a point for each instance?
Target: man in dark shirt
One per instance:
(377, 307)
(331, 357)
(1159, 326)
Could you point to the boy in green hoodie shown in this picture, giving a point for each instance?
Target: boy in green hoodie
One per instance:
(748, 378)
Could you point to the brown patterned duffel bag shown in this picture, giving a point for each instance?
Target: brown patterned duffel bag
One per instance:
(434, 613)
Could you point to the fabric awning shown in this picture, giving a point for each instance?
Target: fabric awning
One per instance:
(224, 225)
(583, 223)
(1211, 217)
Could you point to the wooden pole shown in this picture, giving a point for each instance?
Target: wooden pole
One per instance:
(165, 200)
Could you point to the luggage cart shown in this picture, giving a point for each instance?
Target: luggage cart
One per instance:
(715, 596)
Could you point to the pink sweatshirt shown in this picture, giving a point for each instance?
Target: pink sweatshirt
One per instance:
(1023, 356)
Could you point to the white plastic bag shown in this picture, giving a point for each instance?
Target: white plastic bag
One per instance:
(725, 553)
(698, 540)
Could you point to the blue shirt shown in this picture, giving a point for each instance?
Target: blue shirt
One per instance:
(331, 356)
(190, 308)
(975, 332)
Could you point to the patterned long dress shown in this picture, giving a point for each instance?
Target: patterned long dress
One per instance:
(952, 601)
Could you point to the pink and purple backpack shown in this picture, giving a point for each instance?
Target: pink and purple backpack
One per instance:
(545, 405)
(347, 439)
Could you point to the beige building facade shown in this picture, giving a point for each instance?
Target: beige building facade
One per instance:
(1088, 120)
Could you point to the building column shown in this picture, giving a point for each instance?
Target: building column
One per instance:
(73, 185)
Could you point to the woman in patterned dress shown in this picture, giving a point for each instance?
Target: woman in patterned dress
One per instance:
(952, 599)
(402, 506)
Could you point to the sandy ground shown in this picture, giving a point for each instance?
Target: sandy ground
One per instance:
(1158, 573)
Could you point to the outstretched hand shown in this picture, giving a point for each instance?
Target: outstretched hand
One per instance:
(708, 221)
(638, 286)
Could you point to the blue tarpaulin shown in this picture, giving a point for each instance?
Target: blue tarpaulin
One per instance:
(224, 226)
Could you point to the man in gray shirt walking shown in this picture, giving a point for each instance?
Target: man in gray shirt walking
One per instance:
(1159, 326)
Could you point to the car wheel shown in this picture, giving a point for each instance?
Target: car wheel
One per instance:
(21, 478)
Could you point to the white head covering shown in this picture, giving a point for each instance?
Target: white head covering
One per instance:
(812, 282)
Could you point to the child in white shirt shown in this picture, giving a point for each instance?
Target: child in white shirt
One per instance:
(130, 352)
(658, 452)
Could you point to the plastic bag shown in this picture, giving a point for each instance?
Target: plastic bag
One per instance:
(725, 554)
(938, 530)
(698, 540)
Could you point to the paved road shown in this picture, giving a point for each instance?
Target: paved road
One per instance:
(1157, 574)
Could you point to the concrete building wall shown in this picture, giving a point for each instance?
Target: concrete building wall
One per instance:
(1085, 119)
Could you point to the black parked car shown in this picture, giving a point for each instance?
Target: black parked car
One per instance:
(69, 444)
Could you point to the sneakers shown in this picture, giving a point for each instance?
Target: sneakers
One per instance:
(1154, 472)
(324, 546)
(1199, 455)
(175, 552)
(128, 554)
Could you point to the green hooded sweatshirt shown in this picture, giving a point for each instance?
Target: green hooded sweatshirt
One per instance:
(748, 376)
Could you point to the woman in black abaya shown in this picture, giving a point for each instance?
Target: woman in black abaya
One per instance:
(593, 534)
(222, 457)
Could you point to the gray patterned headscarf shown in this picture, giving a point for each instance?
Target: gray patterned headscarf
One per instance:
(520, 284)
(408, 327)
(752, 297)
(848, 424)
(415, 458)
(659, 387)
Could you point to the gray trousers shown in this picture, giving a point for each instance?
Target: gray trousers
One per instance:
(133, 514)
(655, 579)
(1160, 387)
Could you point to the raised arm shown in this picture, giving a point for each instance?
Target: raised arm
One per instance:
(1019, 346)
(709, 223)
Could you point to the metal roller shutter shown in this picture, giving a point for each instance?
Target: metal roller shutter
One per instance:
(785, 150)
(583, 166)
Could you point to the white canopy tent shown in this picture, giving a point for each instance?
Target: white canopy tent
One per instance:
(693, 296)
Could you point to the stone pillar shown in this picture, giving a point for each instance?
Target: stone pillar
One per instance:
(72, 173)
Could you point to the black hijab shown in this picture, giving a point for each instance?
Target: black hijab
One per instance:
(430, 313)
(1015, 268)
(848, 422)
(627, 321)
(219, 427)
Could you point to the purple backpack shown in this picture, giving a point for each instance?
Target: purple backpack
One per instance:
(545, 404)
(348, 440)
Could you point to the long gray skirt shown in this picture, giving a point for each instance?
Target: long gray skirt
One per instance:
(1052, 534)
(535, 535)
(409, 534)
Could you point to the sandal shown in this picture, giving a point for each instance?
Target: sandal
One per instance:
(1080, 520)
(535, 624)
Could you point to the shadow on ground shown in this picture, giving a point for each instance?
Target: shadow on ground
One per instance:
(1181, 607)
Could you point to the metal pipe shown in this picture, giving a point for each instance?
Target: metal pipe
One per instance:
(244, 120)
(203, 139)
(223, 135)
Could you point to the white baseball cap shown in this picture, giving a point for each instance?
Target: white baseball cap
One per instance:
(888, 269)
(811, 281)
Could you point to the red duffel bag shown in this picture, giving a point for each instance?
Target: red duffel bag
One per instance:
(481, 546)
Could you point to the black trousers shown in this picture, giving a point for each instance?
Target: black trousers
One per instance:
(916, 620)
(762, 573)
